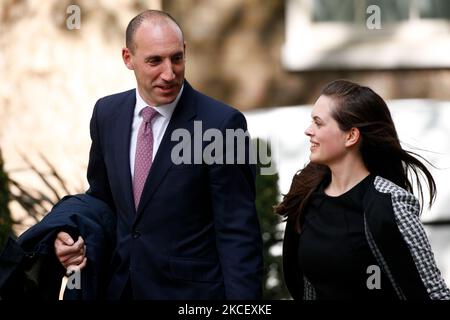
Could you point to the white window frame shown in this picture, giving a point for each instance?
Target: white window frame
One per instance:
(411, 44)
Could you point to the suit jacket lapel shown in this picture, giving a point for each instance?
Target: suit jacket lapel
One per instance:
(124, 121)
(184, 112)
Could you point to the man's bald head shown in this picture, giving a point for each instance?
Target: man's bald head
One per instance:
(152, 16)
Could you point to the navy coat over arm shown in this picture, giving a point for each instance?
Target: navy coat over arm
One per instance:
(29, 268)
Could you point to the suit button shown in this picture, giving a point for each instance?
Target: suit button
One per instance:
(136, 234)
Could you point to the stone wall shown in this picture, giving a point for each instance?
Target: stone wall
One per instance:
(51, 76)
(50, 79)
(234, 54)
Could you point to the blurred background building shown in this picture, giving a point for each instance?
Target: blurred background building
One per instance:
(269, 59)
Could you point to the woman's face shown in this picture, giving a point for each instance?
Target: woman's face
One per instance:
(328, 142)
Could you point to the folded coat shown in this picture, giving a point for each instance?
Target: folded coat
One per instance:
(29, 268)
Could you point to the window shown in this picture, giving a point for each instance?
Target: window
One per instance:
(330, 34)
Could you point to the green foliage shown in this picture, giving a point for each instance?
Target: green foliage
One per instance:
(5, 216)
(266, 197)
(36, 202)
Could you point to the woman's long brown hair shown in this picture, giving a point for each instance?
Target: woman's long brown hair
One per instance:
(360, 107)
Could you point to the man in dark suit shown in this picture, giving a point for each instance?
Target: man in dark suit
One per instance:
(184, 231)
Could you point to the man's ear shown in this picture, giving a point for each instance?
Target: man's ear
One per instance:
(127, 58)
(184, 49)
(353, 137)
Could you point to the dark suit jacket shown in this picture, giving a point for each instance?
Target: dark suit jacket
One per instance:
(195, 234)
(29, 268)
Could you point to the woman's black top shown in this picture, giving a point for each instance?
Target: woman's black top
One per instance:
(333, 253)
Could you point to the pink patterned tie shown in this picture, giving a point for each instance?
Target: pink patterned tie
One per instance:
(144, 152)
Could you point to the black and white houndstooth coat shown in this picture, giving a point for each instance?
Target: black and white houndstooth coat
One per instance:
(397, 240)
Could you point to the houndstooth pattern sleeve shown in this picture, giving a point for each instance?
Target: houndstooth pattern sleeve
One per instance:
(309, 293)
(406, 211)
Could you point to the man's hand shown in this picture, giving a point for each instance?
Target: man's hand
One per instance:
(70, 253)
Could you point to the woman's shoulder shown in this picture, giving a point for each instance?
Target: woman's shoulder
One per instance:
(402, 200)
(387, 186)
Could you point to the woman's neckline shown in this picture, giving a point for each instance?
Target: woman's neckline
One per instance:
(356, 186)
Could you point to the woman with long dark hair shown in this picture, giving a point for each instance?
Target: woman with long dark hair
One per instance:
(353, 227)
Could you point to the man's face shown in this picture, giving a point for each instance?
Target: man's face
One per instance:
(158, 61)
